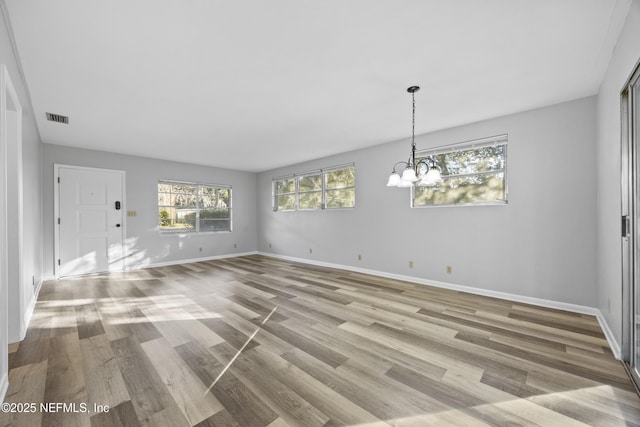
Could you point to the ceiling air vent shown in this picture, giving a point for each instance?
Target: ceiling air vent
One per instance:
(58, 118)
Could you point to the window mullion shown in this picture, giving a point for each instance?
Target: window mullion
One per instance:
(297, 197)
(323, 201)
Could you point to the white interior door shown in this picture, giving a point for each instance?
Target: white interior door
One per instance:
(90, 220)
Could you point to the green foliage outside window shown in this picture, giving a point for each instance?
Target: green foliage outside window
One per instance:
(469, 175)
(285, 194)
(193, 207)
(325, 189)
(310, 191)
(340, 188)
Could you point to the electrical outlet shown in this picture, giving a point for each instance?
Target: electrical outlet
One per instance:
(235, 245)
(410, 264)
(199, 249)
(310, 250)
(359, 257)
(269, 245)
(449, 269)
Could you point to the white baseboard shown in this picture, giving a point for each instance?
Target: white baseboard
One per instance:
(611, 339)
(188, 261)
(26, 319)
(4, 385)
(173, 262)
(26, 316)
(575, 308)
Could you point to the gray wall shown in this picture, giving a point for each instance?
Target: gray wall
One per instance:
(609, 279)
(541, 245)
(146, 246)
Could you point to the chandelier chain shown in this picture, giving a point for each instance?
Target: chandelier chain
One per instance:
(413, 121)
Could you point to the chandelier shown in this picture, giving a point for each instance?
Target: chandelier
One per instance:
(424, 172)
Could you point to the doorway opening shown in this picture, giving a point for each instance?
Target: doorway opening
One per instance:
(630, 192)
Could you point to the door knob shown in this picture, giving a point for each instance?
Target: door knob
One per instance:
(117, 225)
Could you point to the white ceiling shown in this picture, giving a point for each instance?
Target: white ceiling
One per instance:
(254, 84)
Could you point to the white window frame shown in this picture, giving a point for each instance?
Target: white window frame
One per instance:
(326, 189)
(319, 173)
(198, 208)
(274, 194)
(502, 139)
(296, 177)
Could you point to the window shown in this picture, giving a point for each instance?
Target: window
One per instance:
(472, 173)
(340, 188)
(331, 188)
(193, 208)
(310, 191)
(284, 193)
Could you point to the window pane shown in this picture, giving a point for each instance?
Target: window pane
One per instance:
(341, 178)
(183, 199)
(164, 199)
(473, 160)
(183, 188)
(211, 197)
(285, 186)
(165, 218)
(311, 200)
(215, 220)
(164, 188)
(172, 219)
(286, 202)
(215, 225)
(310, 183)
(343, 198)
(488, 188)
(176, 195)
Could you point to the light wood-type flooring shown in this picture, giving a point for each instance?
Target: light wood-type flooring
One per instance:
(257, 341)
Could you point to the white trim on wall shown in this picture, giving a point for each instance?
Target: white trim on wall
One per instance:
(175, 262)
(574, 308)
(4, 385)
(188, 261)
(9, 94)
(28, 312)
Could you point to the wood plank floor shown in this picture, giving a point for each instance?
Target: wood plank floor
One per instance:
(256, 341)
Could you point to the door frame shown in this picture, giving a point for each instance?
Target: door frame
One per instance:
(630, 211)
(56, 210)
(8, 95)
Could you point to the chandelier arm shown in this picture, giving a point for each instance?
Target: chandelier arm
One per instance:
(422, 162)
(399, 163)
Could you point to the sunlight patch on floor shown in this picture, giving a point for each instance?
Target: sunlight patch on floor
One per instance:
(623, 404)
